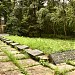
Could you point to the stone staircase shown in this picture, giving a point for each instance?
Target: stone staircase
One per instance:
(0, 29)
(7, 67)
(30, 65)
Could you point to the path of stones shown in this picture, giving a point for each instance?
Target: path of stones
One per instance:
(8, 68)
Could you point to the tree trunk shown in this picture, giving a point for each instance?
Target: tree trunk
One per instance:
(65, 29)
(54, 28)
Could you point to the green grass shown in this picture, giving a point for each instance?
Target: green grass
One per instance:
(71, 62)
(56, 69)
(46, 45)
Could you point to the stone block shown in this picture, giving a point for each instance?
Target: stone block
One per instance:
(2, 38)
(61, 57)
(21, 47)
(8, 42)
(14, 44)
(35, 52)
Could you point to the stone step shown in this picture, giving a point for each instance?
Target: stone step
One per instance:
(21, 47)
(32, 67)
(2, 38)
(61, 57)
(28, 62)
(39, 70)
(34, 52)
(7, 66)
(64, 66)
(8, 42)
(15, 52)
(3, 46)
(2, 54)
(5, 40)
(4, 58)
(14, 72)
(14, 44)
(9, 48)
(20, 56)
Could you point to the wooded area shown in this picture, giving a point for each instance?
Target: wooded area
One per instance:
(39, 17)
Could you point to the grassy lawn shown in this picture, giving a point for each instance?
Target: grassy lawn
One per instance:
(46, 45)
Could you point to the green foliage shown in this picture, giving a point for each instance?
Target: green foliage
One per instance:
(56, 18)
(71, 62)
(12, 26)
(5, 8)
(18, 12)
(42, 13)
(24, 26)
(43, 19)
(58, 72)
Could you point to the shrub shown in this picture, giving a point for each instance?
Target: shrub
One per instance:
(12, 26)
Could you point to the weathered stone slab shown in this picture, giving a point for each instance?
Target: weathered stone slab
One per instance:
(15, 52)
(3, 45)
(64, 66)
(61, 57)
(2, 38)
(21, 47)
(39, 70)
(14, 44)
(9, 48)
(14, 72)
(4, 58)
(28, 63)
(8, 42)
(7, 66)
(20, 56)
(34, 52)
(2, 54)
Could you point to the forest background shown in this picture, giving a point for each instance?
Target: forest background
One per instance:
(39, 18)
